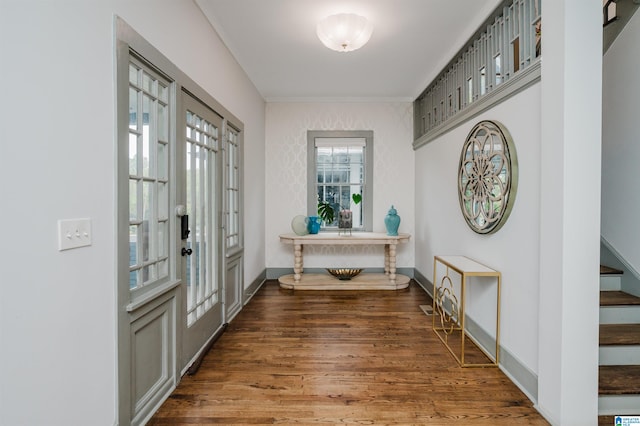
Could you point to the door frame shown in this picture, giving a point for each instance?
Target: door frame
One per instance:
(166, 300)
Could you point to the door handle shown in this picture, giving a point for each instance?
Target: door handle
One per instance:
(186, 251)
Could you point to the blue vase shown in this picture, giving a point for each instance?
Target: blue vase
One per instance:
(392, 222)
(314, 224)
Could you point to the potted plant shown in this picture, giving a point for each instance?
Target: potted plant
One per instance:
(327, 212)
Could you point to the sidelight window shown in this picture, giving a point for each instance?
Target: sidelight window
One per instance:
(149, 106)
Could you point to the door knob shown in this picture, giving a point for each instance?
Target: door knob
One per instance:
(186, 251)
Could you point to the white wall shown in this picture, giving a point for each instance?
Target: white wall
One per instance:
(286, 178)
(513, 250)
(621, 144)
(57, 309)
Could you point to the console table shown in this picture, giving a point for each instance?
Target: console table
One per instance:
(450, 310)
(388, 280)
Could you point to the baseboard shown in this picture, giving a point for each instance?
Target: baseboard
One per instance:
(510, 365)
(254, 287)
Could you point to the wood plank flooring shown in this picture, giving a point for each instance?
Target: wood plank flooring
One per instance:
(340, 357)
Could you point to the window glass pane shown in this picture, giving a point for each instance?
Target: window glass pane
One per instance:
(149, 273)
(133, 74)
(163, 122)
(146, 200)
(133, 279)
(163, 268)
(483, 81)
(146, 137)
(469, 91)
(147, 83)
(133, 238)
(133, 154)
(324, 155)
(163, 161)
(340, 155)
(133, 109)
(162, 239)
(133, 199)
(163, 92)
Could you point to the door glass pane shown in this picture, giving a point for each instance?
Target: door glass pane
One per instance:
(163, 200)
(201, 269)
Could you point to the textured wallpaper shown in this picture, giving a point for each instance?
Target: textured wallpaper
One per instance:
(286, 175)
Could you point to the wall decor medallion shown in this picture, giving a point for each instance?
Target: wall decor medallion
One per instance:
(487, 177)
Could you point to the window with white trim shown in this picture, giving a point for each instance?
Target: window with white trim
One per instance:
(340, 164)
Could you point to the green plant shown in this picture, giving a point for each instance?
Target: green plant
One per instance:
(328, 214)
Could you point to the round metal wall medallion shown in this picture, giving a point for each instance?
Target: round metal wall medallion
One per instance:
(487, 177)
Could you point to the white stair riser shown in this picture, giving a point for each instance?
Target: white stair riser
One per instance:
(620, 314)
(618, 404)
(610, 282)
(619, 355)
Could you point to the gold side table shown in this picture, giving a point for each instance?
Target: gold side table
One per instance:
(451, 311)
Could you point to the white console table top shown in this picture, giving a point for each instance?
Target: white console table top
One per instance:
(334, 238)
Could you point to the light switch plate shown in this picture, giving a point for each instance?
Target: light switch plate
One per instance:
(74, 233)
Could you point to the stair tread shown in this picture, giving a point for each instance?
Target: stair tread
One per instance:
(613, 298)
(619, 334)
(607, 270)
(619, 379)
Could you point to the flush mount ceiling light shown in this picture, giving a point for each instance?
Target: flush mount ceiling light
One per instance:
(344, 32)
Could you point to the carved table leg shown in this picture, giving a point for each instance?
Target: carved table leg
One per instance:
(392, 263)
(297, 262)
(386, 259)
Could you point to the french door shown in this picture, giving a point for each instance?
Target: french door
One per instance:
(199, 160)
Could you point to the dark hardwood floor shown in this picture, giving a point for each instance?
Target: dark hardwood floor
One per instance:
(340, 357)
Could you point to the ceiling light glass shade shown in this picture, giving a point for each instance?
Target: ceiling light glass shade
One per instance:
(344, 32)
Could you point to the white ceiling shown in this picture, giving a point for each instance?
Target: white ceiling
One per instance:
(275, 42)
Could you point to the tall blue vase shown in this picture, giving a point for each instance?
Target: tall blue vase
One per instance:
(314, 224)
(392, 222)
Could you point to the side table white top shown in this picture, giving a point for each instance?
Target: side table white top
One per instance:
(464, 265)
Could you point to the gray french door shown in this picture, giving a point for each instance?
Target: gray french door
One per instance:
(199, 160)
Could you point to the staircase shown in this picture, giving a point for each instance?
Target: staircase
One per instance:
(619, 360)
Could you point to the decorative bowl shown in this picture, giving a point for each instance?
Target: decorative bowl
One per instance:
(344, 273)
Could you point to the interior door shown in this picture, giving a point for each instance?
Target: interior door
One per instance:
(201, 233)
